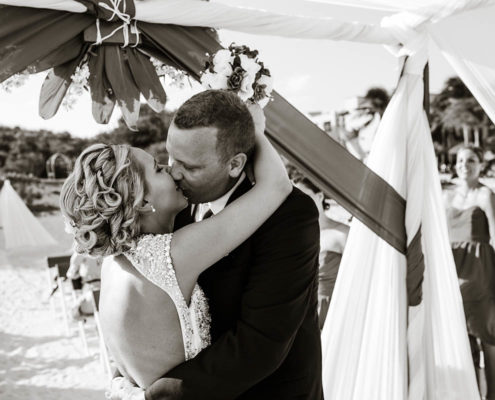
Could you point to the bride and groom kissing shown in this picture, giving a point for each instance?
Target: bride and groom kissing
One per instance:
(195, 306)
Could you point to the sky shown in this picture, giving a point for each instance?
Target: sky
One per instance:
(314, 75)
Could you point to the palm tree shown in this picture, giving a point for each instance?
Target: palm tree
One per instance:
(454, 109)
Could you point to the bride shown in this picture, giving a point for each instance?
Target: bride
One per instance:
(121, 204)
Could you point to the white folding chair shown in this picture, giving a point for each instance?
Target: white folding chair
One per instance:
(76, 288)
(58, 267)
(104, 358)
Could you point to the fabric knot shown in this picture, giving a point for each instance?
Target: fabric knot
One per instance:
(115, 10)
(114, 19)
(410, 31)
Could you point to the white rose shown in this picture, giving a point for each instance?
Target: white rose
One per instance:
(263, 102)
(249, 65)
(268, 81)
(222, 60)
(246, 90)
(214, 81)
(225, 69)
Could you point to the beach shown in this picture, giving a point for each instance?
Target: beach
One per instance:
(37, 359)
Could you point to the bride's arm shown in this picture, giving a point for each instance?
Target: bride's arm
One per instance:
(198, 246)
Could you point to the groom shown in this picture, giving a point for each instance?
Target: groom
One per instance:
(263, 295)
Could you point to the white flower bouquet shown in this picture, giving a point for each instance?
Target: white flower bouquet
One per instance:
(238, 69)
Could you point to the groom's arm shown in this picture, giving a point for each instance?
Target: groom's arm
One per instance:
(275, 301)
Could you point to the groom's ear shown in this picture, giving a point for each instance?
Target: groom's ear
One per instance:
(237, 164)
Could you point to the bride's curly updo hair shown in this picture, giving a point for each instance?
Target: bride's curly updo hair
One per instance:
(102, 198)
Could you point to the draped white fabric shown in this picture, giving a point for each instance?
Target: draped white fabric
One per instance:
(191, 12)
(476, 68)
(365, 353)
(224, 16)
(21, 229)
(389, 5)
(478, 76)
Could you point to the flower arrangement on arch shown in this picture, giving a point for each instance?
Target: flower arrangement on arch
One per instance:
(238, 69)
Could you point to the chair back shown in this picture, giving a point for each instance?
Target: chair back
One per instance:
(62, 263)
(96, 299)
(77, 283)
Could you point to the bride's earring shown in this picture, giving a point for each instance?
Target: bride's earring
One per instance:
(153, 209)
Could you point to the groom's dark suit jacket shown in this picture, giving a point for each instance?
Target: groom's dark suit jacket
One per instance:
(263, 304)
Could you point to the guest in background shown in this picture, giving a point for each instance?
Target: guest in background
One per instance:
(333, 235)
(357, 126)
(88, 270)
(471, 219)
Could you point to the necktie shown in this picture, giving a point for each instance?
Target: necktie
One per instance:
(207, 214)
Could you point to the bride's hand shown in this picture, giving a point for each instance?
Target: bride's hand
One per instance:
(258, 118)
(123, 389)
(269, 169)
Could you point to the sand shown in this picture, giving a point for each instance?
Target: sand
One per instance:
(37, 359)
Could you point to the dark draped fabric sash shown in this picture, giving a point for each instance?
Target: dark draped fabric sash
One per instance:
(340, 175)
(41, 39)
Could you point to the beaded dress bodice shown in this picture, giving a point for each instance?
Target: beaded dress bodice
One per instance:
(151, 257)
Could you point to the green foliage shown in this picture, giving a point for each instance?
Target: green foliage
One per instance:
(456, 107)
(26, 152)
(152, 128)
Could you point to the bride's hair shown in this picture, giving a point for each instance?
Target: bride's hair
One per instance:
(102, 198)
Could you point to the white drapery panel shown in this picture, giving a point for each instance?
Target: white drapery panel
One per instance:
(388, 5)
(365, 353)
(364, 337)
(223, 16)
(469, 53)
(200, 13)
(21, 228)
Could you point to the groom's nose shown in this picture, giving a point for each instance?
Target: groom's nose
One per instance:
(175, 172)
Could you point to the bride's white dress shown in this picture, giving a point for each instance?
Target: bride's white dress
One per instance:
(151, 257)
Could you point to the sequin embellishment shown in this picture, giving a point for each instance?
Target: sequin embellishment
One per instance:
(151, 257)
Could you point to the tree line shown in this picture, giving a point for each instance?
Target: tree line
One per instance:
(454, 113)
(26, 152)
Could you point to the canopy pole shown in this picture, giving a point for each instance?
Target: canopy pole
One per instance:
(426, 91)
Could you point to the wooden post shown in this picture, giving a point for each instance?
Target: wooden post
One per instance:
(426, 91)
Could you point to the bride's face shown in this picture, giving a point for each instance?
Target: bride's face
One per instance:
(161, 191)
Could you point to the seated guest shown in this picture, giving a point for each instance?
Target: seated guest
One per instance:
(88, 270)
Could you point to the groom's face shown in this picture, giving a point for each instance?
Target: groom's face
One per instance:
(195, 163)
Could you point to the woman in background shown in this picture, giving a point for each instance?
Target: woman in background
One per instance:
(471, 219)
(333, 235)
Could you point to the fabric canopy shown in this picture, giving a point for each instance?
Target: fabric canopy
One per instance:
(40, 39)
(223, 16)
(478, 76)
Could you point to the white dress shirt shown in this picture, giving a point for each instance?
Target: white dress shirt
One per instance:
(217, 205)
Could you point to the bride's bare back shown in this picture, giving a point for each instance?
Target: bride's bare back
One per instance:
(140, 323)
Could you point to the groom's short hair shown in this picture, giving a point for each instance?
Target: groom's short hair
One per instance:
(225, 111)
